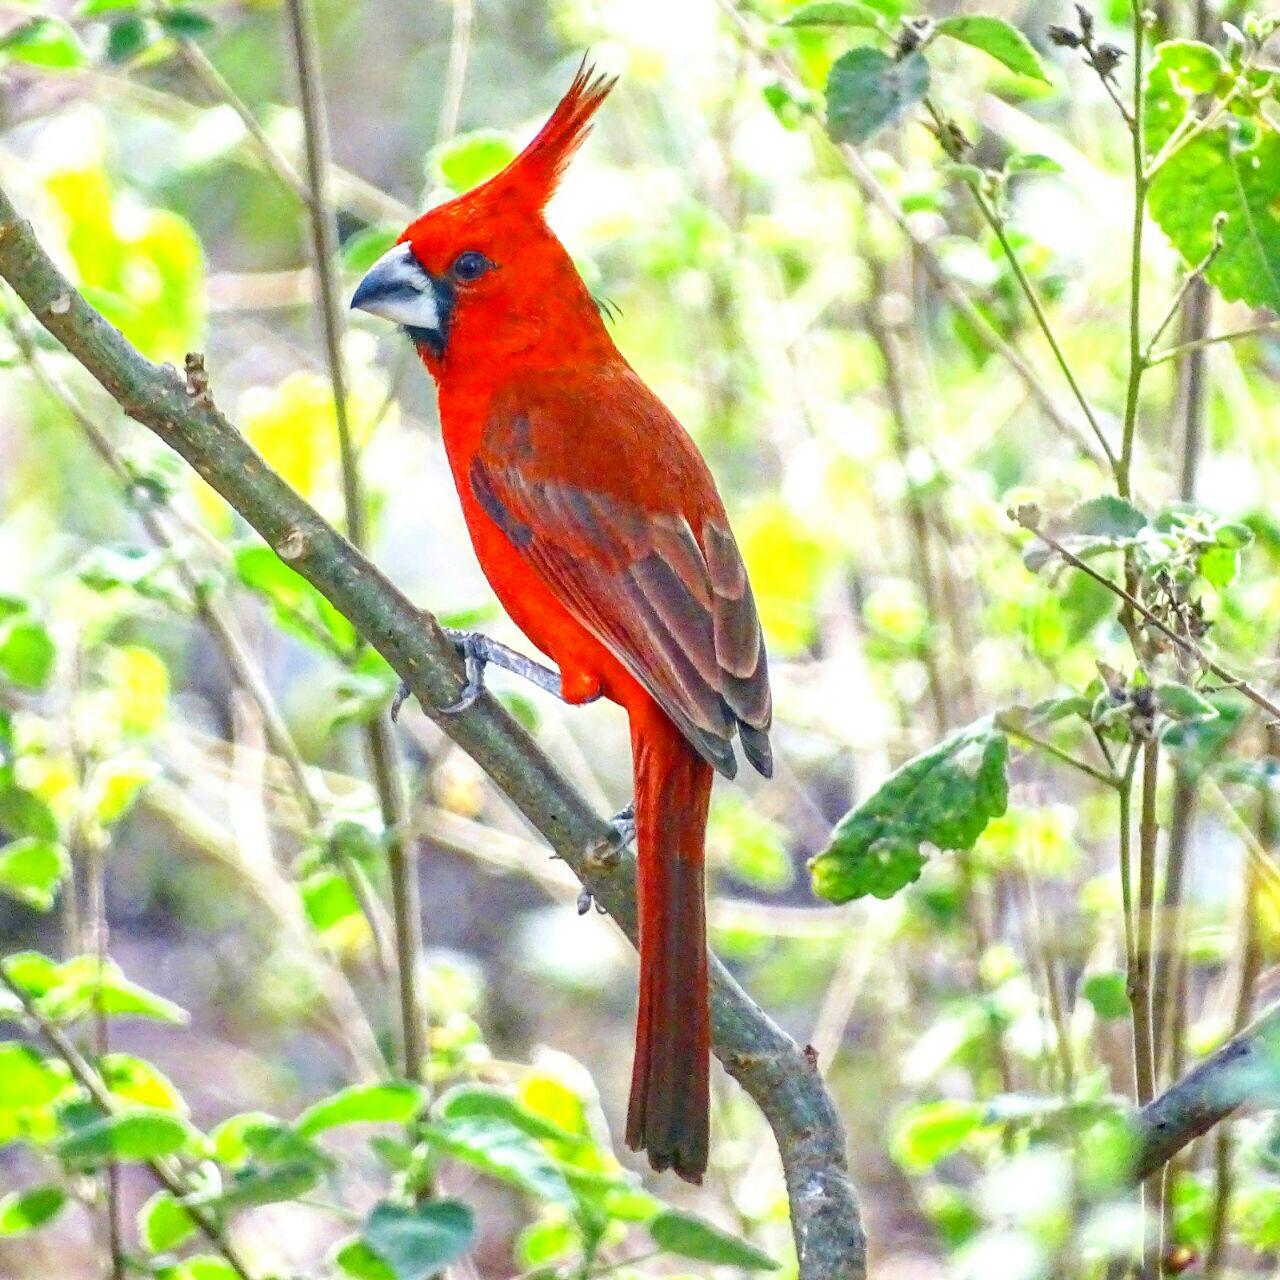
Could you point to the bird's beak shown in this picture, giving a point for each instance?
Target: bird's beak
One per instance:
(398, 289)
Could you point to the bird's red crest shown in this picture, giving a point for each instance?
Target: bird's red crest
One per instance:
(533, 175)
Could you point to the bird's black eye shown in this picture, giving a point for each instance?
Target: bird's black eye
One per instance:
(470, 265)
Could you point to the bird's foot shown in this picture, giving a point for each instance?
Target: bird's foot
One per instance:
(475, 652)
(586, 900)
(622, 831)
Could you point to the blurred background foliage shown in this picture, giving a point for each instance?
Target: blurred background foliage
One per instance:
(182, 779)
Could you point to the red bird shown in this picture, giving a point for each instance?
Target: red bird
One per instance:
(598, 525)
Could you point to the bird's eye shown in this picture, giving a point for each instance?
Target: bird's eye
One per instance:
(470, 265)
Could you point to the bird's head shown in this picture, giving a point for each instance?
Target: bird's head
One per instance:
(483, 273)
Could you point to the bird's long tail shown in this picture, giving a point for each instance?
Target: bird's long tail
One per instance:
(669, 1111)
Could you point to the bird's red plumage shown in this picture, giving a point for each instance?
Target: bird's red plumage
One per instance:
(598, 524)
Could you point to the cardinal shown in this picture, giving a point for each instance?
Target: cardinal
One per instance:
(598, 525)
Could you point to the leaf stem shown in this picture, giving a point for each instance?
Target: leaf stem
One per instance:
(1188, 647)
(1182, 348)
(1040, 744)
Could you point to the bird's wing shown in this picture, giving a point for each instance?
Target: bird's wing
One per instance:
(674, 606)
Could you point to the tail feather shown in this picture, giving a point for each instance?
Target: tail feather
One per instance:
(669, 1110)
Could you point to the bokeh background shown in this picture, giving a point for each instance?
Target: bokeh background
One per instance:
(867, 443)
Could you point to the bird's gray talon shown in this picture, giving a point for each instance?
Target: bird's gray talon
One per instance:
(403, 694)
(471, 649)
(585, 901)
(624, 826)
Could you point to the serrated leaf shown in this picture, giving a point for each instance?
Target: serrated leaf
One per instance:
(1222, 171)
(497, 1147)
(24, 1211)
(835, 13)
(26, 652)
(944, 798)
(392, 1102)
(689, 1236)
(43, 42)
(998, 39)
(867, 90)
(163, 1223)
(31, 870)
(418, 1242)
(141, 1134)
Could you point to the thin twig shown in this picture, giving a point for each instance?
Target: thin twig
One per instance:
(1189, 647)
(1173, 353)
(455, 76)
(379, 744)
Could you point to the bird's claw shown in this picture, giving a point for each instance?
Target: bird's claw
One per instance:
(622, 831)
(586, 900)
(471, 649)
(403, 694)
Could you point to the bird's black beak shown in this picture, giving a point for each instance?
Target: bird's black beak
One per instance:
(399, 289)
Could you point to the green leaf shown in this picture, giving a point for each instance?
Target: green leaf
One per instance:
(497, 1147)
(928, 1133)
(944, 797)
(418, 1242)
(1225, 170)
(295, 604)
(91, 8)
(394, 1102)
(362, 250)
(185, 24)
(471, 158)
(998, 39)
(23, 813)
(1108, 993)
(483, 1102)
(128, 36)
(139, 1082)
(27, 1081)
(163, 1223)
(23, 1211)
(1107, 517)
(1181, 703)
(142, 1134)
(31, 870)
(1022, 162)
(835, 13)
(692, 1237)
(80, 985)
(868, 90)
(26, 652)
(355, 1258)
(328, 899)
(43, 42)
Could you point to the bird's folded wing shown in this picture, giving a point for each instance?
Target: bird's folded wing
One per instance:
(678, 613)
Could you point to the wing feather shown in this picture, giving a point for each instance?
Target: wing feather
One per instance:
(675, 610)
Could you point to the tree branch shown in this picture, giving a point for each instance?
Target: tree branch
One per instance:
(1245, 1070)
(783, 1080)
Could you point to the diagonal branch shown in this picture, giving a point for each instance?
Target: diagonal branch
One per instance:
(1244, 1071)
(782, 1079)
